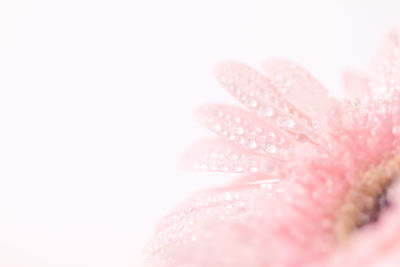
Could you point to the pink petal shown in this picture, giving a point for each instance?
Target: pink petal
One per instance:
(199, 233)
(258, 178)
(220, 155)
(256, 93)
(356, 86)
(386, 67)
(252, 225)
(303, 92)
(245, 129)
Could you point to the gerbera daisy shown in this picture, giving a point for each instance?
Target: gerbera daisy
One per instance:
(320, 185)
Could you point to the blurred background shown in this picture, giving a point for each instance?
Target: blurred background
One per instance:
(96, 100)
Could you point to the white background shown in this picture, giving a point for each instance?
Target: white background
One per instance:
(96, 100)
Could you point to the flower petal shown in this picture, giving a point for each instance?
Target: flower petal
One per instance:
(256, 92)
(220, 155)
(386, 66)
(245, 129)
(356, 86)
(199, 232)
(303, 91)
(246, 225)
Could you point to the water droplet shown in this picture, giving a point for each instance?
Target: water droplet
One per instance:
(225, 168)
(252, 144)
(270, 148)
(272, 135)
(239, 130)
(234, 156)
(203, 167)
(253, 103)
(396, 130)
(285, 122)
(267, 112)
(238, 119)
(253, 169)
(238, 168)
(217, 127)
(228, 196)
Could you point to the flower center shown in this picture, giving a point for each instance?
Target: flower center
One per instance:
(367, 199)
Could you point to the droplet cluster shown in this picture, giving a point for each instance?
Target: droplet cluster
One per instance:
(303, 91)
(185, 227)
(211, 218)
(256, 93)
(221, 156)
(241, 127)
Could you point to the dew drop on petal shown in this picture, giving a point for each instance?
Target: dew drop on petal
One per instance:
(396, 130)
(238, 168)
(228, 196)
(285, 122)
(253, 169)
(239, 130)
(252, 144)
(225, 168)
(217, 127)
(270, 148)
(267, 112)
(253, 103)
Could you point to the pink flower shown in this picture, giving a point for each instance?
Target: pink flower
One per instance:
(320, 185)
